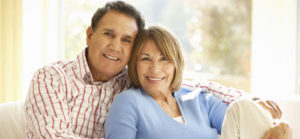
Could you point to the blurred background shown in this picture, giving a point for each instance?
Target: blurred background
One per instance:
(251, 45)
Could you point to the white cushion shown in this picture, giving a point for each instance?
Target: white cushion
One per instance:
(12, 120)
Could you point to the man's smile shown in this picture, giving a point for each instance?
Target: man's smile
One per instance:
(111, 57)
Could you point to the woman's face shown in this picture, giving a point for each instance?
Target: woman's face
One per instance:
(155, 72)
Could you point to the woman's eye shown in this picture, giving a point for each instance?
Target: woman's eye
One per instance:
(145, 59)
(164, 59)
(127, 40)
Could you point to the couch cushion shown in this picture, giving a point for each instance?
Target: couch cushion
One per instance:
(12, 120)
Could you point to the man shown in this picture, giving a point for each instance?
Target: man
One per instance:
(71, 99)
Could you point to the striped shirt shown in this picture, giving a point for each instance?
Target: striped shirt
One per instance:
(64, 102)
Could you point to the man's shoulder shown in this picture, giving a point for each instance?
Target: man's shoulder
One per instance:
(57, 68)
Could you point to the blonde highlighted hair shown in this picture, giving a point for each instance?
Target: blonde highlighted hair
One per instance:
(168, 45)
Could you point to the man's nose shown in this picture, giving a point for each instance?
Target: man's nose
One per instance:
(115, 44)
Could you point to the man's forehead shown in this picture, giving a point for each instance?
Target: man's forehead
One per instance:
(119, 18)
(118, 22)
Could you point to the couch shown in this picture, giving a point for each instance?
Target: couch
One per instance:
(12, 118)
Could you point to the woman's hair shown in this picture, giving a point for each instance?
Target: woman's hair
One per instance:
(168, 45)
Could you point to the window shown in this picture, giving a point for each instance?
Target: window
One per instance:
(215, 35)
(274, 47)
(298, 48)
(252, 47)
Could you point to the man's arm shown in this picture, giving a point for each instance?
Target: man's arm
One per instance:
(281, 130)
(46, 109)
(228, 95)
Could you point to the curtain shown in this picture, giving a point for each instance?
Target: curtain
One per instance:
(11, 50)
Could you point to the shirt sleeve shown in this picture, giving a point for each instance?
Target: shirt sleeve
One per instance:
(226, 94)
(46, 109)
(216, 111)
(121, 120)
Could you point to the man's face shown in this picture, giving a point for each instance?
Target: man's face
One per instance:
(110, 45)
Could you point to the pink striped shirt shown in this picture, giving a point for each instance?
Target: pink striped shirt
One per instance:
(64, 102)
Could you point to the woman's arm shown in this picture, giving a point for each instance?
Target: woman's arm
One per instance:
(216, 111)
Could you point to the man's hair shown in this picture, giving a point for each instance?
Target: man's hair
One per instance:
(168, 45)
(121, 7)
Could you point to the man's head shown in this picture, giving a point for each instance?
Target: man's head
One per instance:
(121, 7)
(110, 39)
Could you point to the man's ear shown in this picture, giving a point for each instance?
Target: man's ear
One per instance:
(89, 33)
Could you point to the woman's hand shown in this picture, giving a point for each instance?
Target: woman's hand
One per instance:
(279, 131)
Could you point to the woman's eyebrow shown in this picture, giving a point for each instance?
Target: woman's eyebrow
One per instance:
(145, 54)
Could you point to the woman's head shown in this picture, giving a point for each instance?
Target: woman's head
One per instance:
(168, 46)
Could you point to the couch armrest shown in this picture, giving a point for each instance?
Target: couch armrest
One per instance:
(12, 120)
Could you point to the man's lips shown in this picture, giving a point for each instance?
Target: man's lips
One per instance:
(111, 57)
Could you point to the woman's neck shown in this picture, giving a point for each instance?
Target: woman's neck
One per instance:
(168, 103)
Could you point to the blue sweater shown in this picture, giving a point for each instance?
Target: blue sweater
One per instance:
(136, 115)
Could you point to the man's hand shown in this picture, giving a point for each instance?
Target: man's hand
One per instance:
(279, 131)
(271, 107)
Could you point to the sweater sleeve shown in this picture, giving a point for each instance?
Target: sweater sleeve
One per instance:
(122, 119)
(216, 111)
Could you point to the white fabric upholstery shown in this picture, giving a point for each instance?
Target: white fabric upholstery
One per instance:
(12, 120)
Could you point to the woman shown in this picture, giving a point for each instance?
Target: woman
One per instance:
(157, 107)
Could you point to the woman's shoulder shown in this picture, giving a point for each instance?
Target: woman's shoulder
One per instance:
(188, 92)
(131, 93)
(195, 94)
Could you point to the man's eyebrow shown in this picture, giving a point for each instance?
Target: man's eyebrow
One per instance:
(107, 29)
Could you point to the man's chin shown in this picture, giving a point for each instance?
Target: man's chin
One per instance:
(111, 73)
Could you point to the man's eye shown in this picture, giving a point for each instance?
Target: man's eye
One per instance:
(107, 33)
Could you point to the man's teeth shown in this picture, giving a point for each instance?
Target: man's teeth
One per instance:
(112, 58)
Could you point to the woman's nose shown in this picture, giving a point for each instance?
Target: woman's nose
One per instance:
(155, 67)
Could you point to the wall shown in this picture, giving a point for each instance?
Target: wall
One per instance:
(291, 114)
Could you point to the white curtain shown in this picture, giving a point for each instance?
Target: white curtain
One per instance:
(42, 36)
(11, 50)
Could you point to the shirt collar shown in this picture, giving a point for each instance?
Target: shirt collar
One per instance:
(85, 72)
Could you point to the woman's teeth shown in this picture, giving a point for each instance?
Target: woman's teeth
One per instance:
(154, 79)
